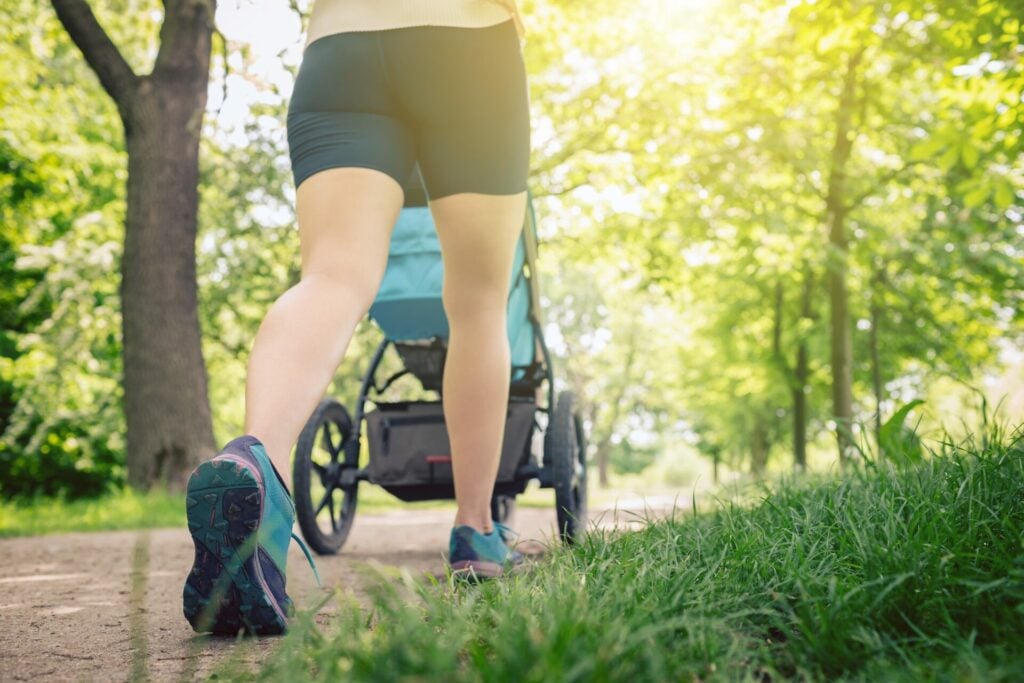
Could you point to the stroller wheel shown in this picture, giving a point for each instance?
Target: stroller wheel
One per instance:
(326, 457)
(565, 448)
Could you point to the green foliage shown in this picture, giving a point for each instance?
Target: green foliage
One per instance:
(898, 442)
(709, 189)
(681, 159)
(116, 509)
(69, 457)
(61, 205)
(887, 574)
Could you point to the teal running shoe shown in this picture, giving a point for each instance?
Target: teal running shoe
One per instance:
(474, 555)
(240, 515)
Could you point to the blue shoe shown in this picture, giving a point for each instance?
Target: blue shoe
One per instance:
(240, 515)
(507, 535)
(472, 554)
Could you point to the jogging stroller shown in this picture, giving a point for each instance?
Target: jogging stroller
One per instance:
(408, 449)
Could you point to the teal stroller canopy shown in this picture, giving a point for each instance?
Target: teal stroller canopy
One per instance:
(408, 306)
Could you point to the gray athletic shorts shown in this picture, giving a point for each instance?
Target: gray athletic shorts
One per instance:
(454, 100)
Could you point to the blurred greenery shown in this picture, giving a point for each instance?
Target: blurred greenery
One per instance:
(684, 159)
(121, 509)
(124, 508)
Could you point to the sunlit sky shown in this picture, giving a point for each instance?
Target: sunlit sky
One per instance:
(274, 35)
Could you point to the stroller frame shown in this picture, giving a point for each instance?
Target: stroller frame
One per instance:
(407, 440)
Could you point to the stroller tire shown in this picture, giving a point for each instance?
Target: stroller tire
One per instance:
(565, 448)
(324, 507)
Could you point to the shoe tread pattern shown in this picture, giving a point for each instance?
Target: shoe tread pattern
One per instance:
(222, 593)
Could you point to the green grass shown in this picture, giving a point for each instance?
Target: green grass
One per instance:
(124, 509)
(883, 574)
(130, 509)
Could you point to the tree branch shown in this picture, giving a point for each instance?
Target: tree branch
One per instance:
(889, 176)
(185, 35)
(777, 355)
(116, 77)
(302, 15)
(563, 190)
(227, 70)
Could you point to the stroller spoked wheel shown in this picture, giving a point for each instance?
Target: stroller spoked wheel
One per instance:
(326, 460)
(565, 449)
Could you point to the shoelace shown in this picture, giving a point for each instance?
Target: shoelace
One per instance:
(507, 535)
(309, 558)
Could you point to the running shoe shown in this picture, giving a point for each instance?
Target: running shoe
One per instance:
(474, 555)
(507, 535)
(240, 515)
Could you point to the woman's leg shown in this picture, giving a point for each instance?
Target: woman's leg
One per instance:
(345, 218)
(478, 236)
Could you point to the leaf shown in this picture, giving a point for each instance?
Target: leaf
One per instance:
(970, 155)
(948, 158)
(977, 196)
(898, 443)
(1005, 195)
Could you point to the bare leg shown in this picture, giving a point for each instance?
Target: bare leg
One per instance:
(478, 237)
(345, 219)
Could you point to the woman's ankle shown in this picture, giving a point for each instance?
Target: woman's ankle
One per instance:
(481, 523)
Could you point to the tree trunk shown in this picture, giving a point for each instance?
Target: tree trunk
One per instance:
(166, 404)
(758, 449)
(601, 458)
(604, 445)
(602, 467)
(841, 332)
(796, 378)
(800, 377)
(876, 367)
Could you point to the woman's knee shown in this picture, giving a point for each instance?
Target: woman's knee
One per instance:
(468, 303)
(358, 288)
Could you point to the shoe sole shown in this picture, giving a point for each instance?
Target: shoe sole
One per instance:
(477, 569)
(225, 592)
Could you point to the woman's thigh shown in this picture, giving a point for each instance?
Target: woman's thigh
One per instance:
(465, 98)
(350, 152)
(345, 218)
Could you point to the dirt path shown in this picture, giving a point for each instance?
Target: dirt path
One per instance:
(107, 606)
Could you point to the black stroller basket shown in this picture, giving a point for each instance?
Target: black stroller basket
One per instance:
(410, 456)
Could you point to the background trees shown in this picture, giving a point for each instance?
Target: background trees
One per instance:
(762, 222)
(166, 407)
